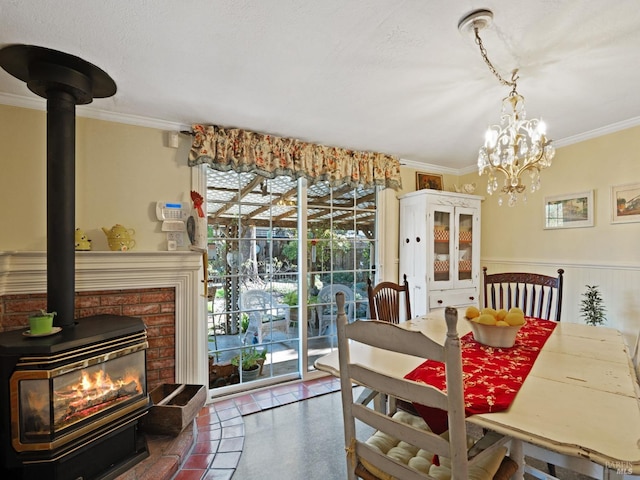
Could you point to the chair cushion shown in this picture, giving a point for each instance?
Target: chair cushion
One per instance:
(483, 469)
(421, 460)
(403, 452)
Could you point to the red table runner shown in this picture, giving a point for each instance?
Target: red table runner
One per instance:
(492, 376)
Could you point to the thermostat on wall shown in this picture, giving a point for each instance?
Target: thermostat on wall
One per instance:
(172, 211)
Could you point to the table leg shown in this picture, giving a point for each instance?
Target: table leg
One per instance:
(516, 452)
(613, 474)
(380, 403)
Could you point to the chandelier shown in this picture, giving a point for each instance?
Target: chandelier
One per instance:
(516, 145)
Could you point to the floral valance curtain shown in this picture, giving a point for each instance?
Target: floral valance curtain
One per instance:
(227, 149)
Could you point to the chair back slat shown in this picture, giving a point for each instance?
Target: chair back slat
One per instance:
(537, 295)
(385, 301)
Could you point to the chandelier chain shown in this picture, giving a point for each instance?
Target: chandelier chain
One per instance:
(483, 52)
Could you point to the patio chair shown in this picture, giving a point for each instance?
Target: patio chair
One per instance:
(538, 296)
(326, 310)
(265, 315)
(385, 300)
(403, 447)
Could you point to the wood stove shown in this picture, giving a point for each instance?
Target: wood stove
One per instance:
(71, 402)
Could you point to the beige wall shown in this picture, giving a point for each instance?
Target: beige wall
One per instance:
(597, 164)
(606, 255)
(121, 171)
(514, 239)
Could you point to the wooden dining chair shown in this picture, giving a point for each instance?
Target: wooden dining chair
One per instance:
(402, 446)
(385, 300)
(537, 295)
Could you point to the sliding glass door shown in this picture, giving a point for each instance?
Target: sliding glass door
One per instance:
(271, 299)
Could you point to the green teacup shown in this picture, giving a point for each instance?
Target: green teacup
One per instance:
(40, 324)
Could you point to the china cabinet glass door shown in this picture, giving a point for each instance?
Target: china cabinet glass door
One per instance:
(442, 246)
(465, 249)
(452, 248)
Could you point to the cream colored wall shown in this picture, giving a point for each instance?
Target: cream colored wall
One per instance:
(121, 171)
(513, 239)
(595, 164)
(606, 255)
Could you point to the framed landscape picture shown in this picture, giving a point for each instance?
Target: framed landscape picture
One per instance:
(427, 180)
(625, 203)
(569, 211)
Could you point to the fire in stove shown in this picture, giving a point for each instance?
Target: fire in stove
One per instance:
(91, 393)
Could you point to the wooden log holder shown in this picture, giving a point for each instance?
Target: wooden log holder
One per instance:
(174, 407)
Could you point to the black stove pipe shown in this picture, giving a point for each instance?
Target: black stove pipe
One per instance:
(65, 81)
(61, 206)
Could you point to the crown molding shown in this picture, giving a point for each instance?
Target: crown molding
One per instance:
(563, 142)
(598, 132)
(428, 166)
(38, 103)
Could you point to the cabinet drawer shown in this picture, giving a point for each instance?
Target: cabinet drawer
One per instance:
(454, 298)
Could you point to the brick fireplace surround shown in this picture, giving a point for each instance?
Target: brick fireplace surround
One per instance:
(164, 289)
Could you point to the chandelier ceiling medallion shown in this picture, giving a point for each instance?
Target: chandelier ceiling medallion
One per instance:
(517, 145)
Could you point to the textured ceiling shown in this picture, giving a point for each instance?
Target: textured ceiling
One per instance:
(383, 75)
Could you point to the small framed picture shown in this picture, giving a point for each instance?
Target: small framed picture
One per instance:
(427, 180)
(569, 211)
(625, 203)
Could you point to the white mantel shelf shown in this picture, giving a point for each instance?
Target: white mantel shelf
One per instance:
(26, 272)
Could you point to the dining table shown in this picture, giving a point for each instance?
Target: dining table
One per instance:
(579, 403)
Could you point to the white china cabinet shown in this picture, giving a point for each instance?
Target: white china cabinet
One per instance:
(440, 249)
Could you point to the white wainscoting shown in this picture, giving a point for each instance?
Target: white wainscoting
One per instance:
(619, 286)
(26, 272)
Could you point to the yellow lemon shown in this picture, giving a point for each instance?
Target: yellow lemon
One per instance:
(487, 319)
(501, 314)
(489, 311)
(516, 310)
(501, 323)
(514, 318)
(472, 312)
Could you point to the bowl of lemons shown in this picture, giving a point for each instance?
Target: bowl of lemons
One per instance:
(495, 328)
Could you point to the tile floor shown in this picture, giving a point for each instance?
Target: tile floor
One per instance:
(220, 427)
(220, 440)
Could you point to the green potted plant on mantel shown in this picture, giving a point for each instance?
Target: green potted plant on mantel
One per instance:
(41, 323)
(592, 306)
(251, 360)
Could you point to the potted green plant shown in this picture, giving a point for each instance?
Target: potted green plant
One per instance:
(592, 306)
(41, 323)
(251, 361)
(291, 298)
(243, 323)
